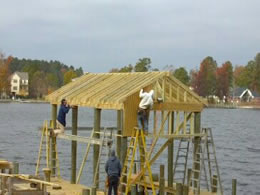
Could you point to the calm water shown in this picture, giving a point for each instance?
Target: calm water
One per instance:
(236, 134)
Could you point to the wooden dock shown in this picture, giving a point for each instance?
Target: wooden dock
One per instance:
(67, 188)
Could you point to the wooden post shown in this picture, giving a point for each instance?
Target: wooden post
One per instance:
(161, 181)
(170, 151)
(185, 190)
(74, 145)
(15, 168)
(47, 174)
(53, 140)
(93, 190)
(234, 186)
(196, 157)
(188, 176)
(119, 132)
(85, 192)
(214, 183)
(133, 190)
(179, 189)
(154, 122)
(97, 117)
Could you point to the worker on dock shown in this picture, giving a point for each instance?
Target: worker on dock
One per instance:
(145, 105)
(61, 119)
(113, 170)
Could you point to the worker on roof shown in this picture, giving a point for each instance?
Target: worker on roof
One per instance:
(145, 105)
(61, 119)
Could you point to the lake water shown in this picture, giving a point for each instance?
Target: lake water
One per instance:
(236, 134)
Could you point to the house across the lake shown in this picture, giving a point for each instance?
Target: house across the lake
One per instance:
(245, 95)
(20, 84)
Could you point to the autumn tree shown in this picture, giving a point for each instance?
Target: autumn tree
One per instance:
(206, 77)
(4, 75)
(68, 76)
(143, 65)
(182, 75)
(256, 75)
(38, 85)
(239, 76)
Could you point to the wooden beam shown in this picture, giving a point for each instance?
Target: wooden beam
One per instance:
(96, 149)
(170, 150)
(119, 132)
(94, 141)
(74, 145)
(188, 107)
(53, 139)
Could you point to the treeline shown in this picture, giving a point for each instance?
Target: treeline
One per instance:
(210, 79)
(44, 76)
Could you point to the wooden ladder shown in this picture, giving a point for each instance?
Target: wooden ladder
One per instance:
(44, 151)
(137, 139)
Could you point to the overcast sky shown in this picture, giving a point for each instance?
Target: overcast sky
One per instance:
(102, 34)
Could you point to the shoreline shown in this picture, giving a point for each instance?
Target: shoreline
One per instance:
(24, 101)
(230, 106)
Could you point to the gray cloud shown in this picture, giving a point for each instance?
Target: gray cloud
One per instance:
(102, 34)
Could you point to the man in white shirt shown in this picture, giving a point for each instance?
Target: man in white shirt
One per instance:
(145, 105)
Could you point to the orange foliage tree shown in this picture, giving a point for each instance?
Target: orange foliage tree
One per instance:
(4, 75)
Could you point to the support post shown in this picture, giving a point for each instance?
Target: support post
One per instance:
(162, 180)
(185, 190)
(188, 176)
(234, 186)
(214, 183)
(133, 190)
(97, 117)
(179, 189)
(15, 168)
(93, 190)
(170, 151)
(53, 139)
(85, 192)
(74, 145)
(196, 157)
(119, 132)
(47, 174)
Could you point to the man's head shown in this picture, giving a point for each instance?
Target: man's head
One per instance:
(113, 153)
(64, 101)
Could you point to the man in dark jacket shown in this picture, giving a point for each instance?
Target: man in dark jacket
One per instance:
(61, 120)
(113, 170)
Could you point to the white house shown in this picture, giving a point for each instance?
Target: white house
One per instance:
(20, 84)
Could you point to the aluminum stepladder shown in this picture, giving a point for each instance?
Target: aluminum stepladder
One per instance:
(202, 156)
(45, 146)
(180, 165)
(137, 139)
(211, 160)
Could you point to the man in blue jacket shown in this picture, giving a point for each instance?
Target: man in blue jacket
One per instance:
(61, 120)
(113, 170)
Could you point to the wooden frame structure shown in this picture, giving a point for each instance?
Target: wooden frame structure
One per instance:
(179, 111)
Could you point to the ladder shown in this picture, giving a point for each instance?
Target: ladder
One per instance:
(137, 139)
(198, 164)
(101, 152)
(44, 151)
(211, 159)
(180, 165)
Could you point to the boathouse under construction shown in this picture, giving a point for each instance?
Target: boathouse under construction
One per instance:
(175, 126)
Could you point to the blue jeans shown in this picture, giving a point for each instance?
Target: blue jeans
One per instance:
(142, 120)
